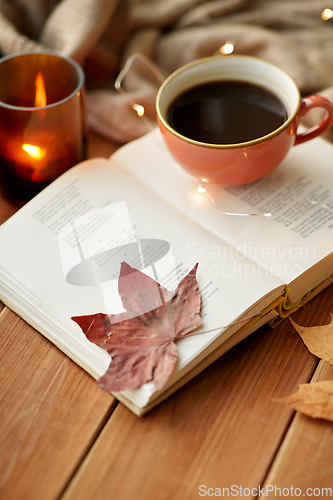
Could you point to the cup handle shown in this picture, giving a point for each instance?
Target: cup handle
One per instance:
(307, 103)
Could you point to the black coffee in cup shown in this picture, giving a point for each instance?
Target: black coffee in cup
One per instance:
(226, 112)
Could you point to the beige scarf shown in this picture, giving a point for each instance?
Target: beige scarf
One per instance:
(296, 35)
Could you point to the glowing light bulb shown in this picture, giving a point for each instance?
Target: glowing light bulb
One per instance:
(327, 14)
(227, 48)
(139, 109)
(201, 189)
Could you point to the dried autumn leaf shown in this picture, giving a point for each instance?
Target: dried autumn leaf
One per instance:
(315, 400)
(141, 341)
(318, 339)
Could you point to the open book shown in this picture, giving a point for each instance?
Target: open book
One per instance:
(60, 254)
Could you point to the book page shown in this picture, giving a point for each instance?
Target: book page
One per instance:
(298, 195)
(60, 257)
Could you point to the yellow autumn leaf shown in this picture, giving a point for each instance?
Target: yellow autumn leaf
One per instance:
(318, 339)
(314, 400)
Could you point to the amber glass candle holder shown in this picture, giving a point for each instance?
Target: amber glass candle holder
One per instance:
(42, 126)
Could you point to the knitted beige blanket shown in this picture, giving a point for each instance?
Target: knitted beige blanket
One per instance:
(296, 35)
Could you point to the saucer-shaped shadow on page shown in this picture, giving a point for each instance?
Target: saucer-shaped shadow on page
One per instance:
(105, 266)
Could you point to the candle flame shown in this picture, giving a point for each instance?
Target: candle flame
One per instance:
(139, 109)
(40, 94)
(34, 151)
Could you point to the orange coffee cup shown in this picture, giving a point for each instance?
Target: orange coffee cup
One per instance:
(240, 161)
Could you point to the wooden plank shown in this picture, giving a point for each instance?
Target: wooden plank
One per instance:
(305, 459)
(222, 429)
(51, 412)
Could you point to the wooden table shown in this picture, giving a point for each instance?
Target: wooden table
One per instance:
(61, 437)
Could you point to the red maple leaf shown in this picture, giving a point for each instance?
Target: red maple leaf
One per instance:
(141, 341)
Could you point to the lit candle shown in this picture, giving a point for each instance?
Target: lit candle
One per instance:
(41, 121)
